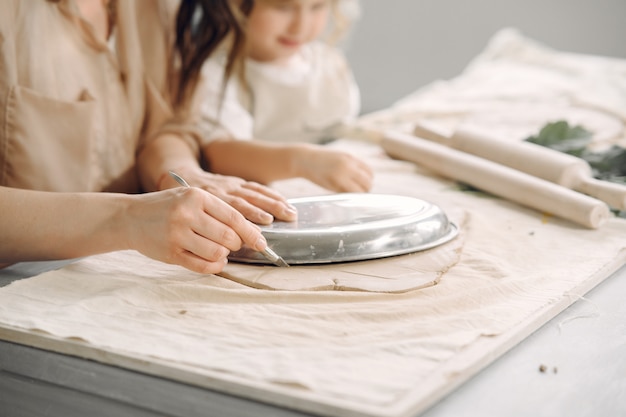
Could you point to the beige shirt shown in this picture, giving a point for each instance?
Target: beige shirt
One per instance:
(74, 110)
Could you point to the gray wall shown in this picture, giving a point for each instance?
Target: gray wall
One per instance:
(398, 46)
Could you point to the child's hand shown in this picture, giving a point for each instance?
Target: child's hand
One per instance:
(335, 170)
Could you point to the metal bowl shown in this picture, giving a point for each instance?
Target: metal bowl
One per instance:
(353, 227)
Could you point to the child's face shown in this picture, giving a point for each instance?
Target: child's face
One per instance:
(278, 28)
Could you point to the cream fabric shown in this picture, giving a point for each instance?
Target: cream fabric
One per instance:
(337, 353)
(302, 101)
(73, 112)
(515, 87)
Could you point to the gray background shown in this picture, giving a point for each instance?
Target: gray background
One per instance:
(398, 46)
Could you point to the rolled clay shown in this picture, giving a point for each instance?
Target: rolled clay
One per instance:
(497, 179)
(548, 164)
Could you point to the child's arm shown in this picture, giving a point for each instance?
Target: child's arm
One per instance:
(265, 162)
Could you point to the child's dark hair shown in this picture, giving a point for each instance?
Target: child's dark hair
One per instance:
(201, 26)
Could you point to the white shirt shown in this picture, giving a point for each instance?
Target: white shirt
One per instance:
(303, 100)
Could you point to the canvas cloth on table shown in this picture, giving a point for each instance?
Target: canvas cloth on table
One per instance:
(516, 86)
(322, 350)
(338, 353)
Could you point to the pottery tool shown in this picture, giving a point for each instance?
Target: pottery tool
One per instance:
(548, 164)
(268, 253)
(497, 179)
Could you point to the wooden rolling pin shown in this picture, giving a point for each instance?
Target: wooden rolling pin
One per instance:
(548, 164)
(497, 179)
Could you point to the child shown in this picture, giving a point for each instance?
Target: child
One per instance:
(293, 92)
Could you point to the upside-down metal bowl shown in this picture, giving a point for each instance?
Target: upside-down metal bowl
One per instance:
(353, 227)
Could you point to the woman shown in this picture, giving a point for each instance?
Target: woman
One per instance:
(86, 118)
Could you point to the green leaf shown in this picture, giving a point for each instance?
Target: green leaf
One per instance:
(563, 137)
(609, 165)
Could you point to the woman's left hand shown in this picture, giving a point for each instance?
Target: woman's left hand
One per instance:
(258, 203)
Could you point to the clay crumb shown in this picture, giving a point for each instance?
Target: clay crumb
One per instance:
(182, 312)
(542, 368)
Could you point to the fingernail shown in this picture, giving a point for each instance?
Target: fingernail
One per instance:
(291, 209)
(261, 243)
(266, 217)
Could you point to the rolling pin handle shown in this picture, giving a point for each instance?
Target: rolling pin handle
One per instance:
(611, 193)
(432, 132)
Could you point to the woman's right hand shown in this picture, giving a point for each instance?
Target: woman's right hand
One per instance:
(189, 227)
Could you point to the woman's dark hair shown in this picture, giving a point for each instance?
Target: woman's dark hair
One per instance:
(201, 26)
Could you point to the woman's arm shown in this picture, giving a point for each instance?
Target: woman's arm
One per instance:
(184, 226)
(265, 162)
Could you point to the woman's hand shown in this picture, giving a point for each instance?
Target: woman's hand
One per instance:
(188, 227)
(184, 226)
(332, 169)
(258, 203)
